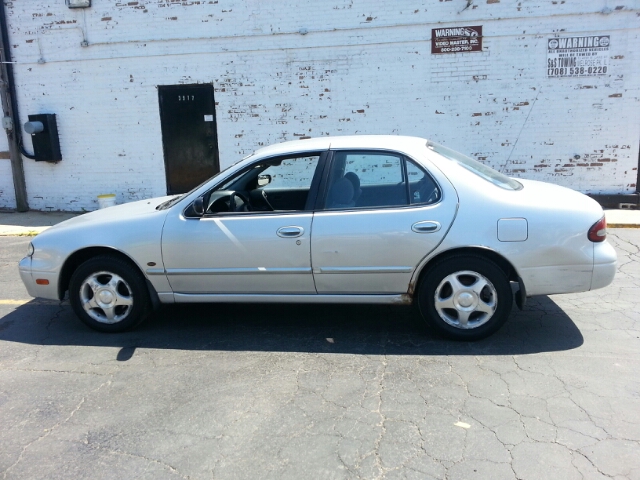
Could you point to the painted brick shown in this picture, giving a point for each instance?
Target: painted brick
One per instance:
(7, 193)
(362, 67)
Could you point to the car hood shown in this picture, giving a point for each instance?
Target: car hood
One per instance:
(111, 214)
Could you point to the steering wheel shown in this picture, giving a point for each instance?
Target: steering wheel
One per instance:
(245, 206)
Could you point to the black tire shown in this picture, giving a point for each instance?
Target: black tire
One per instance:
(466, 297)
(109, 295)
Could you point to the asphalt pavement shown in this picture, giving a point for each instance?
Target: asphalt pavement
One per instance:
(289, 392)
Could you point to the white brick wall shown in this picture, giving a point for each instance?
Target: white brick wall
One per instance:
(363, 67)
(7, 194)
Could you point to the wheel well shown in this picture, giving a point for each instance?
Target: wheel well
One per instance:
(78, 258)
(496, 258)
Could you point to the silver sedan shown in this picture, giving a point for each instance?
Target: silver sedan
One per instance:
(361, 219)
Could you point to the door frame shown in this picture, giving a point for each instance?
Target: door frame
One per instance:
(168, 89)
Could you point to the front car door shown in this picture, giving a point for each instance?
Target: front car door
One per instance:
(383, 213)
(244, 244)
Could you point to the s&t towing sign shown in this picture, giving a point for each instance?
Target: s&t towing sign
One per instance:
(578, 56)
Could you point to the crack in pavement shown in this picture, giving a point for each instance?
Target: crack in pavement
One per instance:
(111, 451)
(49, 431)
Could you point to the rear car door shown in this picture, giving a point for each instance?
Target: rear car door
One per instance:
(381, 214)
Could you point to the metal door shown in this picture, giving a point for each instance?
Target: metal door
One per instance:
(189, 135)
(376, 249)
(261, 253)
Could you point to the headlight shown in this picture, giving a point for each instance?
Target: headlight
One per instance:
(30, 249)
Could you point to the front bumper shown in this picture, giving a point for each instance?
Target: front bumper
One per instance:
(24, 267)
(29, 277)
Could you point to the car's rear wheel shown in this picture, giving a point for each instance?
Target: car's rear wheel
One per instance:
(466, 297)
(108, 294)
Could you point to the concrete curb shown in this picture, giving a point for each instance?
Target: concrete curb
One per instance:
(30, 224)
(622, 218)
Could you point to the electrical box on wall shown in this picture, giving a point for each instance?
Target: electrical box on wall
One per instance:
(44, 136)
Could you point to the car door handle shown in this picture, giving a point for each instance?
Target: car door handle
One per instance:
(426, 227)
(290, 232)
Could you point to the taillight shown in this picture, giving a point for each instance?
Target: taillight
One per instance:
(598, 231)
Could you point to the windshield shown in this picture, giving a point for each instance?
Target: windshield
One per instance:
(172, 201)
(476, 167)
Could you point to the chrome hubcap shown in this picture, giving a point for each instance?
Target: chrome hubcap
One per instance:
(466, 299)
(106, 297)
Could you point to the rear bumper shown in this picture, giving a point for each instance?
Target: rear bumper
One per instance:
(556, 279)
(605, 264)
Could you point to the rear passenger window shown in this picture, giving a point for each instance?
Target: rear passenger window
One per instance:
(362, 179)
(375, 169)
(422, 188)
(366, 179)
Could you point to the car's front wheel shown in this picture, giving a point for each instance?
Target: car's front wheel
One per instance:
(108, 294)
(466, 297)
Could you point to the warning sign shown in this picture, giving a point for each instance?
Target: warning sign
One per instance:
(578, 56)
(456, 39)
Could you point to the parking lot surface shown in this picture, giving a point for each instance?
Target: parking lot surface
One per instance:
(292, 391)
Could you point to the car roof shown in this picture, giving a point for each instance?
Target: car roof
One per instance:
(378, 142)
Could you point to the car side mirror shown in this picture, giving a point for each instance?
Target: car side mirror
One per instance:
(264, 180)
(198, 206)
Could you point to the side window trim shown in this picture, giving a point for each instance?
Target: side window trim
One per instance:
(317, 181)
(324, 181)
(407, 184)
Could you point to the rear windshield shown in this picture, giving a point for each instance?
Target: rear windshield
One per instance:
(476, 167)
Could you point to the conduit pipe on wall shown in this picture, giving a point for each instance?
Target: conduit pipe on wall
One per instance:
(10, 110)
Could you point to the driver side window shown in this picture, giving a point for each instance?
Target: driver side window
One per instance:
(292, 173)
(280, 184)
